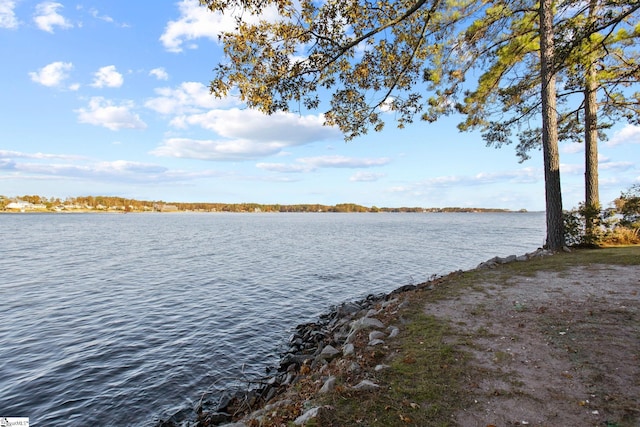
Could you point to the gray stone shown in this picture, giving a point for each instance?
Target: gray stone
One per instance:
(354, 368)
(307, 416)
(348, 349)
(329, 352)
(376, 335)
(510, 258)
(394, 331)
(376, 342)
(385, 304)
(328, 385)
(366, 385)
(379, 368)
(363, 323)
(366, 323)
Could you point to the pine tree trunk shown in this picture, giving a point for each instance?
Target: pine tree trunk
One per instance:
(553, 192)
(592, 197)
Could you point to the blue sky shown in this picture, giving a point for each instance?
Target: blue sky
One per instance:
(111, 98)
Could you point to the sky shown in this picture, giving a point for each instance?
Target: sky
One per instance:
(111, 98)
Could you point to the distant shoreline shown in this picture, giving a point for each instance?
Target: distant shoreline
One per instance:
(95, 211)
(104, 204)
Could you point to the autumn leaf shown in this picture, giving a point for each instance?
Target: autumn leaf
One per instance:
(404, 419)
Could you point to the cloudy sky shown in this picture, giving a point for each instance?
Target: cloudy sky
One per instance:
(111, 98)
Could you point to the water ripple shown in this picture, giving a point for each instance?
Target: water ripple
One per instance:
(122, 320)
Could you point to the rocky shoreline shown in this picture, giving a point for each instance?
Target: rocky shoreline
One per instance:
(348, 334)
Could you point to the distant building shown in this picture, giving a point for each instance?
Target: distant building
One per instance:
(168, 208)
(19, 206)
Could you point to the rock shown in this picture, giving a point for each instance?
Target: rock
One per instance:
(361, 324)
(274, 405)
(307, 416)
(375, 342)
(366, 323)
(348, 308)
(394, 331)
(372, 312)
(379, 368)
(509, 259)
(328, 385)
(376, 335)
(386, 304)
(348, 349)
(328, 352)
(176, 419)
(218, 418)
(366, 385)
(354, 368)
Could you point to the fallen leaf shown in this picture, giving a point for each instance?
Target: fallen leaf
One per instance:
(414, 405)
(404, 419)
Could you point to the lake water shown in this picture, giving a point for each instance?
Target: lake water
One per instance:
(117, 320)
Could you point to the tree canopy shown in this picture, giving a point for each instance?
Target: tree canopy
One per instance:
(375, 60)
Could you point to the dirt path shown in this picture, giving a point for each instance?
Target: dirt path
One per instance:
(554, 349)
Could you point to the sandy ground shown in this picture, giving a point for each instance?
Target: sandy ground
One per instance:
(557, 349)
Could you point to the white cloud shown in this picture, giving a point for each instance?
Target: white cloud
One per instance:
(342, 162)
(47, 17)
(242, 134)
(289, 128)
(96, 14)
(6, 154)
(159, 73)
(8, 17)
(283, 167)
(196, 22)
(216, 149)
(616, 166)
(629, 134)
(107, 77)
(366, 176)
(189, 97)
(101, 112)
(519, 176)
(61, 166)
(308, 164)
(52, 75)
(571, 169)
(123, 166)
(572, 148)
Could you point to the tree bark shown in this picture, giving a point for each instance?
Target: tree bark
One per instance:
(592, 197)
(553, 192)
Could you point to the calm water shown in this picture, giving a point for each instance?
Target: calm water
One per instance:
(121, 320)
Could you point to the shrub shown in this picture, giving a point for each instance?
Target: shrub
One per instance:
(629, 206)
(576, 230)
(619, 225)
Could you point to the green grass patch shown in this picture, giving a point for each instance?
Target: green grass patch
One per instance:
(423, 387)
(618, 255)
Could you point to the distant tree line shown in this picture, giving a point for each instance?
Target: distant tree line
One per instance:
(110, 203)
